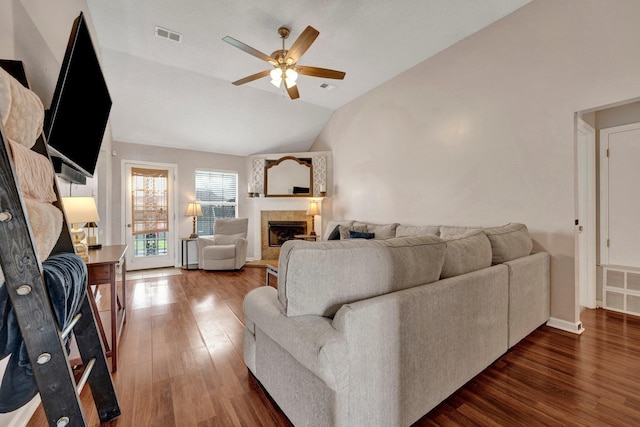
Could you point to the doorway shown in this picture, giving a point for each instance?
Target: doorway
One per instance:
(619, 210)
(149, 205)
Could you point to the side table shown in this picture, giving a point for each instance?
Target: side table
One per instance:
(102, 268)
(272, 270)
(307, 237)
(184, 254)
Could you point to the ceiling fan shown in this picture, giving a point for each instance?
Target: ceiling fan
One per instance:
(285, 62)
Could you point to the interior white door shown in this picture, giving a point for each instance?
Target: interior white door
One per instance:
(620, 196)
(149, 213)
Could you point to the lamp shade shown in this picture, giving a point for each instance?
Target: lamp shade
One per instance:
(313, 209)
(193, 209)
(80, 209)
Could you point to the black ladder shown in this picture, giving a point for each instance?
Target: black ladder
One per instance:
(43, 339)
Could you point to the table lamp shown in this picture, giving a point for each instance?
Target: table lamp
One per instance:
(194, 210)
(313, 210)
(80, 210)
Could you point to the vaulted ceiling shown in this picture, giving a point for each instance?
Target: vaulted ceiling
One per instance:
(179, 94)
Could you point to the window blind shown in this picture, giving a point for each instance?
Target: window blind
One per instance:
(217, 193)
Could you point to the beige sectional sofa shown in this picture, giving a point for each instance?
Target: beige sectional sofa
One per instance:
(378, 332)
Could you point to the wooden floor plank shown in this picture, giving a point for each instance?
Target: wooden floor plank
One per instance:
(181, 365)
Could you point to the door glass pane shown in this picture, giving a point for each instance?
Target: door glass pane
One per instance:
(150, 244)
(149, 205)
(149, 201)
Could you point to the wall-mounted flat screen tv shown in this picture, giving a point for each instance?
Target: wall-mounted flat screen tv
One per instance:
(76, 121)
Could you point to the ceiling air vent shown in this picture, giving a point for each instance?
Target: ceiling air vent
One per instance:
(327, 86)
(168, 34)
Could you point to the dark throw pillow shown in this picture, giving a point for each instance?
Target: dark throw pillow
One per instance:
(335, 234)
(360, 235)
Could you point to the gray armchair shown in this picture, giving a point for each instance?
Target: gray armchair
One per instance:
(227, 250)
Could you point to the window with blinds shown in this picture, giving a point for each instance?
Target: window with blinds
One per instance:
(217, 193)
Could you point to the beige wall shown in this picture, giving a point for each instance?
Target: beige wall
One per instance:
(483, 133)
(187, 162)
(6, 29)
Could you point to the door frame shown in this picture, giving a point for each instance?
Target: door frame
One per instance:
(173, 204)
(585, 227)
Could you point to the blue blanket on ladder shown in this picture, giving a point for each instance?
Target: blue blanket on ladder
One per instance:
(66, 278)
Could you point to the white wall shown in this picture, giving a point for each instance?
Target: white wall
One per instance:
(187, 161)
(483, 133)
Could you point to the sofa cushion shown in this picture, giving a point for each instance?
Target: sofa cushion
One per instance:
(509, 242)
(319, 277)
(382, 231)
(455, 230)
(417, 230)
(465, 253)
(331, 225)
(361, 235)
(345, 229)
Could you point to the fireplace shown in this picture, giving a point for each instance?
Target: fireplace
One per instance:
(278, 226)
(281, 231)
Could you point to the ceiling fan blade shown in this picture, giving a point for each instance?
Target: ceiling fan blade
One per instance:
(300, 46)
(252, 77)
(292, 91)
(320, 72)
(249, 49)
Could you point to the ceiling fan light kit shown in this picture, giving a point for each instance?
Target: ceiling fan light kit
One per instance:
(285, 62)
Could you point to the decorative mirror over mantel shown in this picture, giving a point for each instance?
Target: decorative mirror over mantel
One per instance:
(288, 177)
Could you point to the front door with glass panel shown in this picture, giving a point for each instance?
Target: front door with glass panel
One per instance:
(149, 212)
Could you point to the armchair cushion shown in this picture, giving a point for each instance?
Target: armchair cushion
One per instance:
(218, 252)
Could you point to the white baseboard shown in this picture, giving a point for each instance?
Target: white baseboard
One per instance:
(574, 328)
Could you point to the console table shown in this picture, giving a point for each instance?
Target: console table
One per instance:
(102, 268)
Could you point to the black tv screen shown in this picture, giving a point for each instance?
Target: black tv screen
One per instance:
(76, 121)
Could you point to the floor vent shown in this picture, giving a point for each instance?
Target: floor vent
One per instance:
(621, 287)
(168, 34)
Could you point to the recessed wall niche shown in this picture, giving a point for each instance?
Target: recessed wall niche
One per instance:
(318, 178)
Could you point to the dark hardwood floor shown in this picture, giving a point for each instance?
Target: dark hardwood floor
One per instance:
(181, 365)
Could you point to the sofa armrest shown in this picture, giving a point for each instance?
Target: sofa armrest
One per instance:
(529, 294)
(311, 340)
